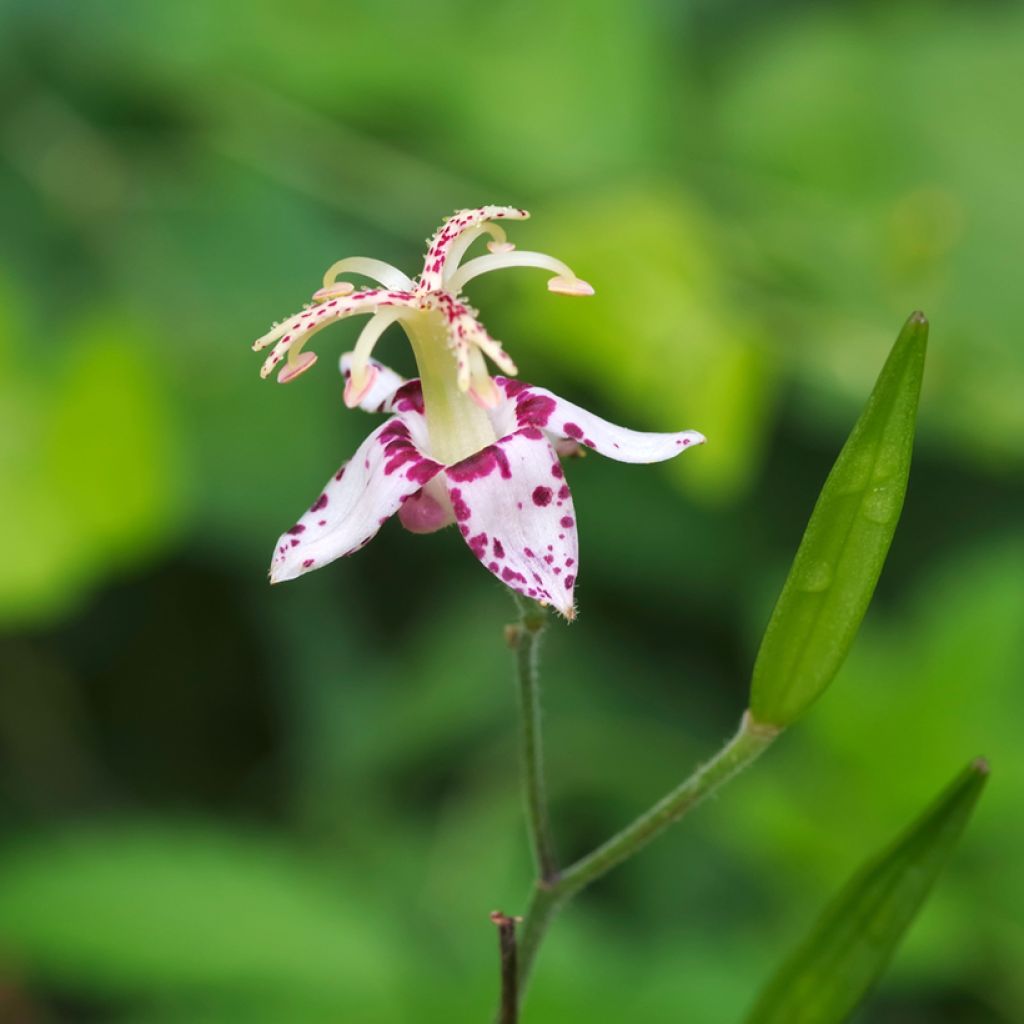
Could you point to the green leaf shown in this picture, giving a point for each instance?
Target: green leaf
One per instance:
(844, 546)
(845, 953)
(188, 909)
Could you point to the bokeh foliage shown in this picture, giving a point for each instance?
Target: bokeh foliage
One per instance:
(221, 802)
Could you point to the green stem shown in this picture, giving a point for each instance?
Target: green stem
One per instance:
(525, 638)
(748, 743)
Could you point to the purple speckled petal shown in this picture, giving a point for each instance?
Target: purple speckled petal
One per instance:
(538, 407)
(386, 469)
(515, 512)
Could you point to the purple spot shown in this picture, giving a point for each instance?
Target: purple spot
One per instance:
(528, 553)
(481, 465)
(570, 561)
(493, 566)
(499, 551)
(569, 581)
(534, 410)
(297, 529)
(294, 542)
(556, 471)
(572, 430)
(566, 522)
(307, 563)
(461, 509)
(478, 545)
(409, 398)
(340, 473)
(321, 522)
(563, 491)
(423, 471)
(508, 575)
(542, 496)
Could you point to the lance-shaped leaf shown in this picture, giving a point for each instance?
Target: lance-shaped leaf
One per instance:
(844, 546)
(829, 974)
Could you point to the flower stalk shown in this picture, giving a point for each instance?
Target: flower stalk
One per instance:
(525, 639)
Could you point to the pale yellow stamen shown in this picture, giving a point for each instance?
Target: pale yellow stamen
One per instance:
(570, 286)
(377, 270)
(338, 290)
(458, 248)
(505, 260)
(368, 338)
(481, 388)
(294, 367)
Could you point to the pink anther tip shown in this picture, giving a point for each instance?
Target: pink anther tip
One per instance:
(353, 394)
(297, 367)
(334, 291)
(569, 286)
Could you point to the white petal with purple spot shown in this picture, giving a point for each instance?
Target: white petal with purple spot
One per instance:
(515, 512)
(539, 407)
(385, 470)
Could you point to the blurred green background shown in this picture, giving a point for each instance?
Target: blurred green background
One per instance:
(225, 803)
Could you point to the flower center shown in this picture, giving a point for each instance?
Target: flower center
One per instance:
(456, 425)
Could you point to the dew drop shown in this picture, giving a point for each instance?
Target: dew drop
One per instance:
(816, 577)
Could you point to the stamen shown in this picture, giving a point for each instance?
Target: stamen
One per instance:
(356, 391)
(337, 290)
(501, 261)
(296, 366)
(482, 389)
(376, 270)
(458, 248)
(570, 286)
(362, 373)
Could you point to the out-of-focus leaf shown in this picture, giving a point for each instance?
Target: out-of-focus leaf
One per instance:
(89, 467)
(848, 949)
(661, 342)
(140, 908)
(868, 191)
(845, 544)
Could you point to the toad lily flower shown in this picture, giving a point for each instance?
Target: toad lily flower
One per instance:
(459, 446)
